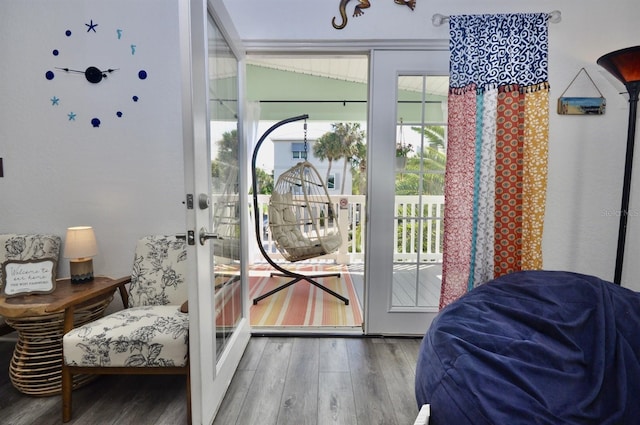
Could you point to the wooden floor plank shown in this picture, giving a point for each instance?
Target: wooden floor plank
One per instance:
(299, 404)
(231, 407)
(252, 354)
(336, 405)
(333, 355)
(30, 410)
(371, 396)
(396, 378)
(262, 403)
(411, 348)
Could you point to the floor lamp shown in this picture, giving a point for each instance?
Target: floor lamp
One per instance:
(624, 64)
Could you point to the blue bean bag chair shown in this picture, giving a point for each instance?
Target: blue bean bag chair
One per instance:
(534, 347)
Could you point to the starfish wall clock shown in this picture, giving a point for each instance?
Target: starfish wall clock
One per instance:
(99, 65)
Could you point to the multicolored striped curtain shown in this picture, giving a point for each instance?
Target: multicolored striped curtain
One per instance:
(495, 181)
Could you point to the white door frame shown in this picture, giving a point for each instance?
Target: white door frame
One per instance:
(210, 376)
(384, 68)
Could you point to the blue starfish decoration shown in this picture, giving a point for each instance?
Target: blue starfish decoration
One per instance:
(91, 26)
(72, 116)
(55, 101)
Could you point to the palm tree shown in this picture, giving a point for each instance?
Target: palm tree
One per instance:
(329, 147)
(359, 167)
(435, 161)
(226, 162)
(433, 134)
(264, 182)
(434, 158)
(228, 148)
(350, 136)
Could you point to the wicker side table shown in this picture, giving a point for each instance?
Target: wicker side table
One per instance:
(36, 365)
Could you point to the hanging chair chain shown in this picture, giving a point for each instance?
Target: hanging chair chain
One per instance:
(305, 140)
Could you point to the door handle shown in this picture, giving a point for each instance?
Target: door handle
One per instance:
(204, 235)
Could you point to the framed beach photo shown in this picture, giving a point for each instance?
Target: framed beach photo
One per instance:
(581, 105)
(20, 277)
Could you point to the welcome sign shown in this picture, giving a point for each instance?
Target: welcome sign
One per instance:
(28, 277)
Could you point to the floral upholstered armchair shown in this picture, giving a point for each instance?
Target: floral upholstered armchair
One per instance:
(150, 336)
(21, 247)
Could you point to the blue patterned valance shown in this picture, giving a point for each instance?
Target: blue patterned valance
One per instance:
(495, 50)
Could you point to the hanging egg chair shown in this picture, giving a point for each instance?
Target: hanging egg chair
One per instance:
(301, 215)
(302, 218)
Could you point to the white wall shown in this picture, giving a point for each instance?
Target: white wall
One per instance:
(124, 178)
(586, 156)
(127, 180)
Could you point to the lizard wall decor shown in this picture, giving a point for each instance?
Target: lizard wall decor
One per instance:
(363, 4)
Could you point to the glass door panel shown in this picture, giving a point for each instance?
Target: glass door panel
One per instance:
(419, 194)
(219, 329)
(405, 212)
(225, 186)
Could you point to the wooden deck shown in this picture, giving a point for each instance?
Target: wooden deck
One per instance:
(428, 282)
(416, 285)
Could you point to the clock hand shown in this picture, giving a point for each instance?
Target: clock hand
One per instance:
(92, 74)
(70, 70)
(110, 70)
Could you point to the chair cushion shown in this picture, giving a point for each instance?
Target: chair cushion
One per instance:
(148, 336)
(159, 270)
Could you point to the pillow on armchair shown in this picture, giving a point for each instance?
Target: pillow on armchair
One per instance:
(27, 246)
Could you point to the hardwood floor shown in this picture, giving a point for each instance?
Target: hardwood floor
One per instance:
(280, 381)
(298, 381)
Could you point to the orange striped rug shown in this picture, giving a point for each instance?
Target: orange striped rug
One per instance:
(303, 304)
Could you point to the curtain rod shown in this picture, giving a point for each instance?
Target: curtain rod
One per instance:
(439, 19)
(344, 102)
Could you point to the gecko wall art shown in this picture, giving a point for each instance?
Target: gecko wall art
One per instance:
(363, 4)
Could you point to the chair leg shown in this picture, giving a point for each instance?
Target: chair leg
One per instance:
(297, 278)
(67, 387)
(188, 394)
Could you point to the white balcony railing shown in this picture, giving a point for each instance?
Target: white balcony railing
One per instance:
(417, 229)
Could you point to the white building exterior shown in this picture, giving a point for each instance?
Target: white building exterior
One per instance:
(289, 152)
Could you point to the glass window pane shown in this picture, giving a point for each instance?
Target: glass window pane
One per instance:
(419, 200)
(225, 173)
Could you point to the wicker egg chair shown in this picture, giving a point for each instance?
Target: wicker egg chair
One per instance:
(301, 215)
(302, 219)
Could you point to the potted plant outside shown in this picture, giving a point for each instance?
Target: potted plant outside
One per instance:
(402, 150)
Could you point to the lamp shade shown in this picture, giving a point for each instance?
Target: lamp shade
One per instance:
(624, 64)
(80, 242)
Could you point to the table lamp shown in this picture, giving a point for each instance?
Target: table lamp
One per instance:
(80, 246)
(624, 64)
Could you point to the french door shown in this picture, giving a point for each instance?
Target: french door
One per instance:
(407, 112)
(215, 219)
